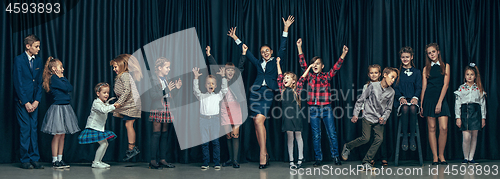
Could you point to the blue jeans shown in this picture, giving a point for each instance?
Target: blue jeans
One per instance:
(210, 127)
(323, 112)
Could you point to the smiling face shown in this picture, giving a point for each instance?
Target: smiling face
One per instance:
(58, 69)
(318, 66)
(374, 74)
(34, 48)
(103, 94)
(116, 68)
(470, 76)
(389, 78)
(163, 70)
(432, 53)
(229, 72)
(406, 59)
(266, 52)
(211, 84)
(288, 81)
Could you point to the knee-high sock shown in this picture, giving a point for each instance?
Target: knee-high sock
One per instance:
(163, 145)
(236, 148)
(230, 148)
(290, 144)
(105, 148)
(473, 144)
(466, 144)
(155, 141)
(103, 144)
(300, 144)
(413, 121)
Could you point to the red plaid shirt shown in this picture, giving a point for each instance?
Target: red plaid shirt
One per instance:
(318, 91)
(298, 87)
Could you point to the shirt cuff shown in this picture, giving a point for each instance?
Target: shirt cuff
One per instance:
(415, 97)
(238, 41)
(399, 99)
(285, 34)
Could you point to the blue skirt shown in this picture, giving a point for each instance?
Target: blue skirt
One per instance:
(261, 99)
(89, 136)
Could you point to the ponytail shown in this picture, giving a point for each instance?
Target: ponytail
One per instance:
(47, 72)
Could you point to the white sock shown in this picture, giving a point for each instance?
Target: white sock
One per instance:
(300, 145)
(54, 159)
(59, 158)
(290, 144)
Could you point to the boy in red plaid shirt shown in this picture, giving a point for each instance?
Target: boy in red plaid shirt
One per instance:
(318, 94)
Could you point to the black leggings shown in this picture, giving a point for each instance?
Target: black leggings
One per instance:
(409, 113)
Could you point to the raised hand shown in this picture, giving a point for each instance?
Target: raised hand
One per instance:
(232, 33)
(171, 85)
(344, 52)
(278, 60)
(222, 71)
(196, 72)
(207, 50)
(299, 42)
(178, 83)
(288, 22)
(245, 49)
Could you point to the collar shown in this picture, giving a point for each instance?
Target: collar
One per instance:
(29, 58)
(437, 63)
(270, 59)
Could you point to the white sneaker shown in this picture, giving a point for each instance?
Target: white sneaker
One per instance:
(105, 164)
(98, 165)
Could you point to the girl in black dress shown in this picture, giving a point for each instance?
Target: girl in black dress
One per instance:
(291, 116)
(435, 81)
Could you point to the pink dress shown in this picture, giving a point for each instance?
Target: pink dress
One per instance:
(230, 110)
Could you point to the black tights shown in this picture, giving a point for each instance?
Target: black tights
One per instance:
(409, 113)
(159, 139)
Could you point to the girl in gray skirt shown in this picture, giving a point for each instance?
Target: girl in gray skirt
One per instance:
(60, 118)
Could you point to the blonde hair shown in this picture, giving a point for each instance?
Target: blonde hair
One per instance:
(125, 63)
(293, 86)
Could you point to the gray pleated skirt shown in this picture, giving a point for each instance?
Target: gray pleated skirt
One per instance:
(60, 119)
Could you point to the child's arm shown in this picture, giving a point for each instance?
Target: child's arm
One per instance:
(424, 86)
(302, 79)
(388, 110)
(359, 103)
(418, 88)
(222, 73)
(125, 81)
(483, 106)
(443, 90)
(280, 75)
(337, 65)
(241, 65)
(458, 104)
(211, 59)
(60, 83)
(196, 87)
(102, 108)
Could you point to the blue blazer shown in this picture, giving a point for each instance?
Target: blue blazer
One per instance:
(271, 73)
(27, 82)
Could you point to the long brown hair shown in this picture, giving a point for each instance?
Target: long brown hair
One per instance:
(47, 72)
(379, 71)
(296, 95)
(401, 51)
(428, 61)
(478, 77)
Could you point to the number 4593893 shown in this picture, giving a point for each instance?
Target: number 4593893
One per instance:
(33, 8)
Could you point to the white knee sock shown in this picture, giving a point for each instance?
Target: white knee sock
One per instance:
(103, 145)
(290, 144)
(473, 144)
(300, 145)
(466, 144)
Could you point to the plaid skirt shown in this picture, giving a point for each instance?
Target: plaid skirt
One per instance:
(89, 136)
(162, 116)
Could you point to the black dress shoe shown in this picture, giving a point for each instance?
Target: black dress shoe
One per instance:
(413, 145)
(262, 166)
(435, 163)
(236, 164)
(153, 166)
(443, 163)
(227, 163)
(36, 165)
(26, 165)
(317, 163)
(337, 160)
(167, 165)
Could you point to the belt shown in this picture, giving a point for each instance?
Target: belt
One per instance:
(210, 116)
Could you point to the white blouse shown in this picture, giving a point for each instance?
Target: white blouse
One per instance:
(469, 94)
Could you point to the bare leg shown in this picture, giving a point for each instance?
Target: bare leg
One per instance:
(431, 125)
(61, 144)
(260, 130)
(130, 133)
(443, 134)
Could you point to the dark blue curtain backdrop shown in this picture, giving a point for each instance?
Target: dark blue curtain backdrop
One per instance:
(90, 33)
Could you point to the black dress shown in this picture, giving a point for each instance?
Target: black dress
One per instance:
(431, 97)
(293, 115)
